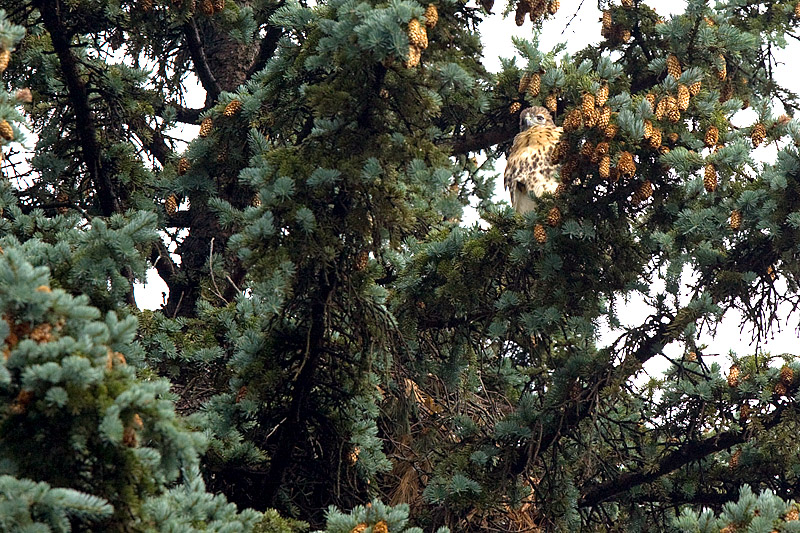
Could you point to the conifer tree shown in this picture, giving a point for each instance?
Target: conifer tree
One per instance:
(334, 332)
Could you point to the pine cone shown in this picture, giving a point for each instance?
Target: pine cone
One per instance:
(561, 151)
(651, 99)
(780, 389)
(648, 129)
(726, 92)
(129, 438)
(362, 260)
(360, 528)
(146, 5)
(771, 273)
(710, 178)
(758, 134)
(674, 115)
(787, 375)
(793, 514)
(551, 102)
(540, 234)
(683, 97)
(207, 7)
(601, 149)
(694, 89)
(573, 120)
(535, 84)
(744, 413)
(733, 376)
(625, 35)
(183, 166)
(611, 131)
(414, 56)
(797, 10)
(524, 82)
(171, 205)
(219, 5)
(712, 136)
(380, 527)
(523, 9)
(605, 30)
(603, 117)
(514, 108)
(605, 167)
(5, 57)
(655, 139)
(431, 16)
(673, 137)
(587, 150)
(734, 462)
(62, 198)
(554, 217)
(552, 6)
(673, 66)
(256, 201)
(205, 127)
(602, 95)
(722, 70)
(626, 166)
(644, 192)
(593, 118)
(6, 131)
(232, 108)
(661, 108)
(736, 220)
(417, 35)
(627, 3)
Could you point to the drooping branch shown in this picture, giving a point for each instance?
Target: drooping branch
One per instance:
(485, 139)
(688, 453)
(79, 98)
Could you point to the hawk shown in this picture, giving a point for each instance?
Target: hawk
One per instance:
(529, 167)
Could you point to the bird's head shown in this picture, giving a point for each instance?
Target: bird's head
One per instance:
(535, 116)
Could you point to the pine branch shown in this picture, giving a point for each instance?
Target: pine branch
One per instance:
(79, 97)
(484, 140)
(688, 453)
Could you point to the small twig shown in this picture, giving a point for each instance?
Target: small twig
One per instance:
(211, 271)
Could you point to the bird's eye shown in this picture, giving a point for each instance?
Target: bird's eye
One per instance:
(539, 118)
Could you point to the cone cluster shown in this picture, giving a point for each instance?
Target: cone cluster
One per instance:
(535, 9)
(417, 42)
(514, 108)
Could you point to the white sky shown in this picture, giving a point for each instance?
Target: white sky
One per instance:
(579, 27)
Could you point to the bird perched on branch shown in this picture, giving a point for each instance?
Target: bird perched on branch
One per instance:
(529, 168)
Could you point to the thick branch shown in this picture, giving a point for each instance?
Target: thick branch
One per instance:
(79, 98)
(200, 61)
(266, 50)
